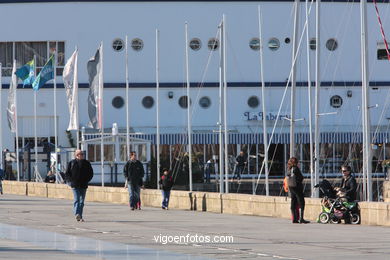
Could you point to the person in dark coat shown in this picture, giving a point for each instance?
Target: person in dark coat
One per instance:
(50, 177)
(348, 183)
(134, 173)
(79, 173)
(241, 161)
(166, 183)
(295, 186)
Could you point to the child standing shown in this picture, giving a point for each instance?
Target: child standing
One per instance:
(166, 183)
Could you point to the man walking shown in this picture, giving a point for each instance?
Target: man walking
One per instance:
(241, 162)
(134, 172)
(79, 173)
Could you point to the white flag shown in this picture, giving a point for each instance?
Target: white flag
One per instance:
(95, 96)
(71, 86)
(11, 109)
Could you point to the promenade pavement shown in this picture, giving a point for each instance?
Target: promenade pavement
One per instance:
(42, 228)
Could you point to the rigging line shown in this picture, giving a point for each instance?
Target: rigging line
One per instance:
(381, 29)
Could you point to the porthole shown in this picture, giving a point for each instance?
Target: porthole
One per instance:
(336, 101)
(183, 103)
(118, 102)
(313, 44)
(137, 44)
(273, 44)
(254, 44)
(204, 102)
(331, 44)
(148, 102)
(213, 44)
(253, 102)
(195, 44)
(287, 40)
(118, 44)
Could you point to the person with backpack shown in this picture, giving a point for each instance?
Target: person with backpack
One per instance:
(79, 173)
(134, 173)
(294, 181)
(166, 183)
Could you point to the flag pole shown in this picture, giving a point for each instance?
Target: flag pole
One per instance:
(127, 101)
(158, 107)
(16, 123)
(188, 112)
(1, 117)
(55, 113)
(75, 80)
(100, 108)
(35, 127)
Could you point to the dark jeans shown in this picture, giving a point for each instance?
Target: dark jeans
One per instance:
(134, 194)
(78, 200)
(166, 194)
(297, 198)
(239, 171)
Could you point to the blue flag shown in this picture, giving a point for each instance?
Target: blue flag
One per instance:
(46, 74)
(27, 73)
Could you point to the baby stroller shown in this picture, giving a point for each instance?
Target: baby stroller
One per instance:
(336, 207)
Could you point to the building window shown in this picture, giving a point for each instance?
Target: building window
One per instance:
(287, 40)
(213, 44)
(273, 44)
(254, 44)
(148, 102)
(204, 102)
(381, 51)
(183, 102)
(253, 102)
(336, 101)
(118, 102)
(118, 44)
(24, 52)
(313, 44)
(137, 44)
(195, 44)
(331, 44)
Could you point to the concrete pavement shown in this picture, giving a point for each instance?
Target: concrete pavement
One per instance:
(46, 229)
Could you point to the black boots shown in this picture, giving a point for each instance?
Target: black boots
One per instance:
(294, 216)
(301, 219)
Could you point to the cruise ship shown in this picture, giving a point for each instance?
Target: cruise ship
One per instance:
(43, 27)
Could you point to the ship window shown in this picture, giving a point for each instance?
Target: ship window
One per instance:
(273, 44)
(313, 44)
(331, 44)
(118, 44)
(24, 52)
(195, 44)
(204, 102)
(381, 51)
(213, 44)
(254, 44)
(183, 102)
(336, 101)
(148, 102)
(118, 102)
(287, 40)
(253, 102)
(137, 44)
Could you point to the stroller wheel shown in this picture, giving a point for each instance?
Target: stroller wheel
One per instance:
(355, 218)
(323, 217)
(334, 219)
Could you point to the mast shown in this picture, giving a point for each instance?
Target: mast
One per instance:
(226, 132)
(101, 89)
(367, 170)
(309, 97)
(127, 101)
(265, 136)
(157, 107)
(317, 102)
(293, 79)
(55, 115)
(189, 133)
(36, 173)
(220, 113)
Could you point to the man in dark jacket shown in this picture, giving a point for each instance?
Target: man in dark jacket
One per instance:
(348, 183)
(241, 162)
(166, 183)
(134, 172)
(79, 173)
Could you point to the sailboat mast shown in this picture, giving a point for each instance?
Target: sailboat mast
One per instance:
(293, 79)
(317, 102)
(220, 115)
(265, 137)
(157, 108)
(226, 132)
(189, 132)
